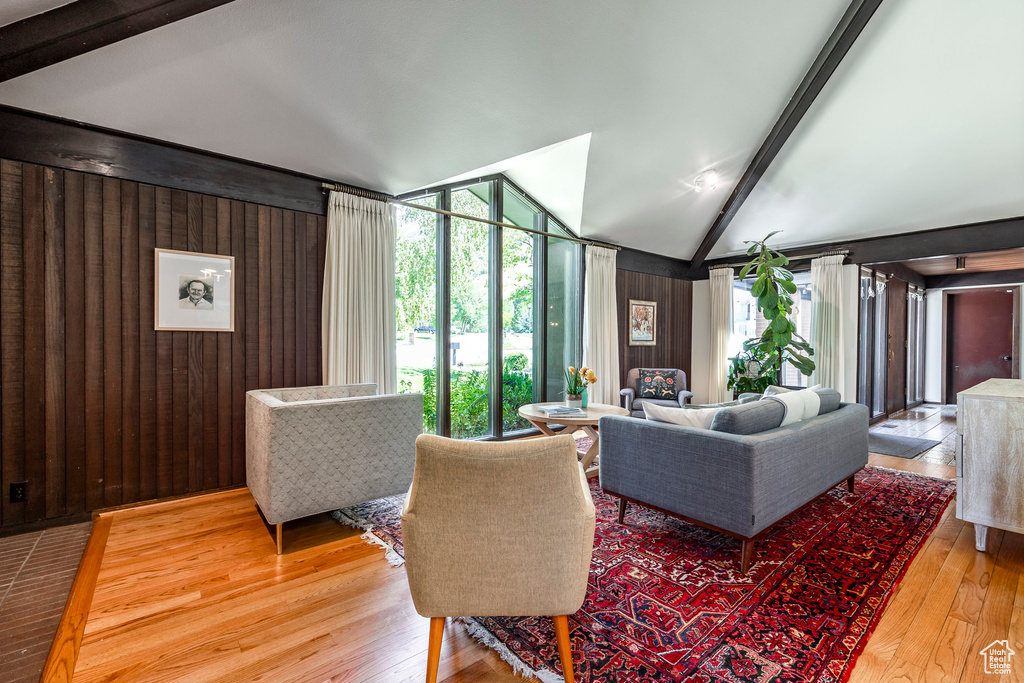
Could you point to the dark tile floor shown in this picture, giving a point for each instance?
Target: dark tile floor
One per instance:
(36, 573)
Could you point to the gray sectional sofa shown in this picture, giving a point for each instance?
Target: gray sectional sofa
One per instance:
(741, 476)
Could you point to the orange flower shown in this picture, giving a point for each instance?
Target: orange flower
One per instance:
(572, 369)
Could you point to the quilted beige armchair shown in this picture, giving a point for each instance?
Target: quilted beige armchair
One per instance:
(498, 529)
(313, 449)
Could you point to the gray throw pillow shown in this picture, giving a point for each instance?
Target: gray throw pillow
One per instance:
(829, 400)
(749, 418)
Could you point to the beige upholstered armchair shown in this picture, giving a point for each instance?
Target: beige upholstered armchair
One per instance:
(498, 529)
(313, 449)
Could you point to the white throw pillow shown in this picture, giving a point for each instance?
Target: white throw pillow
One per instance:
(688, 417)
(799, 405)
(775, 391)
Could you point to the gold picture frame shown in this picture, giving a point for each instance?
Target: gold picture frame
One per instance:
(643, 322)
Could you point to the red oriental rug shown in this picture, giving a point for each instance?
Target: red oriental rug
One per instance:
(666, 601)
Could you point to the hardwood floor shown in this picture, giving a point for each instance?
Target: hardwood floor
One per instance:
(193, 590)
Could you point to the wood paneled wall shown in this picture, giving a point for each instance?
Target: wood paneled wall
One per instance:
(97, 409)
(673, 331)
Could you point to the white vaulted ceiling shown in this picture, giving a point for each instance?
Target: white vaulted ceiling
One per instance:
(603, 110)
(921, 127)
(16, 10)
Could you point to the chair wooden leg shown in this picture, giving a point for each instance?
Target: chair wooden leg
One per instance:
(746, 555)
(280, 538)
(564, 651)
(434, 648)
(849, 483)
(622, 509)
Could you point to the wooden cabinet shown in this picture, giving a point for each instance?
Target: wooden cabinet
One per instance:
(990, 457)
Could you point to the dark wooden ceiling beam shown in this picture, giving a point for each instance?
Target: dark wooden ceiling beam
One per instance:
(839, 43)
(85, 25)
(996, 277)
(970, 238)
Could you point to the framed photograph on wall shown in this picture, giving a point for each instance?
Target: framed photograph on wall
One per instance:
(643, 321)
(194, 292)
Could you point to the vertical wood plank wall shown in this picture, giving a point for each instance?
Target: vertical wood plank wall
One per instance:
(98, 409)
(673, 332)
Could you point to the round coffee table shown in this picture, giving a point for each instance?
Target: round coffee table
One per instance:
(588, 423)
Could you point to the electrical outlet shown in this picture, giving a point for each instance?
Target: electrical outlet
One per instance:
(19, 491)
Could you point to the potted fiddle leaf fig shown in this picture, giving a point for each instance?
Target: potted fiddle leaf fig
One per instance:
(774, 289)
(745, 374)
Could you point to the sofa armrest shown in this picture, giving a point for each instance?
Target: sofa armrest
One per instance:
(629, 395)
(684, 397)
(691, 472)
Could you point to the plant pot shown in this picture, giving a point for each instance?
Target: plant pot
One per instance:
(573, 400)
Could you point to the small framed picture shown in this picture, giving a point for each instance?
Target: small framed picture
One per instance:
(194, 292)
(643, 321)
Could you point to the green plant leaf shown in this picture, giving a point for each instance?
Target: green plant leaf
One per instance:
(788, 286)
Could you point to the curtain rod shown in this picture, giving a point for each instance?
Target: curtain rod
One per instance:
(833, 252)
(369, 194)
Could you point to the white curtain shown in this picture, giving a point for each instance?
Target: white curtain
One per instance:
(721, 331)
(359, 293)
(827, 322)
(600, 326)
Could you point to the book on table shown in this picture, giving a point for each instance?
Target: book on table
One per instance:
(562, 411)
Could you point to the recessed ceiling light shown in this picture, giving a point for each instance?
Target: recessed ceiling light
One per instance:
(707, 180)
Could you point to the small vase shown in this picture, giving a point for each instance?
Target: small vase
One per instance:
(583, 399)
(573, 401)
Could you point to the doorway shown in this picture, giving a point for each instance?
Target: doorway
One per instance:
(980, 339)
(896, 368)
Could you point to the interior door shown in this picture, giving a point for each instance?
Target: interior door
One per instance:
(980, 338)
(896, 366)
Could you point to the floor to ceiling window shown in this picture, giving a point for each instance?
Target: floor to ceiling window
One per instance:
(872, 359)
(416, 305)
(518, 341)
(488, 316)
(564, 309)
(470, 311)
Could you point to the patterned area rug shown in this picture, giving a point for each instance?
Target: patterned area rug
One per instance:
(666, 601)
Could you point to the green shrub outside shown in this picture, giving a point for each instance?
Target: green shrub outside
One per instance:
(469, 396)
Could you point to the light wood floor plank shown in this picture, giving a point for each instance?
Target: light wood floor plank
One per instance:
(950, 652)
(923, 630)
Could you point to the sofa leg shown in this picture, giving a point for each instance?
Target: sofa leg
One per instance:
(849, 483)
(434, 648)
(280, 538)
(564, 651)
(746, 555)
(622, 510)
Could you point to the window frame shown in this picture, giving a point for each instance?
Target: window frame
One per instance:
(551, 224)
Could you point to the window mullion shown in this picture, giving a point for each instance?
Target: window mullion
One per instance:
(444, 318)
(494, 326)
